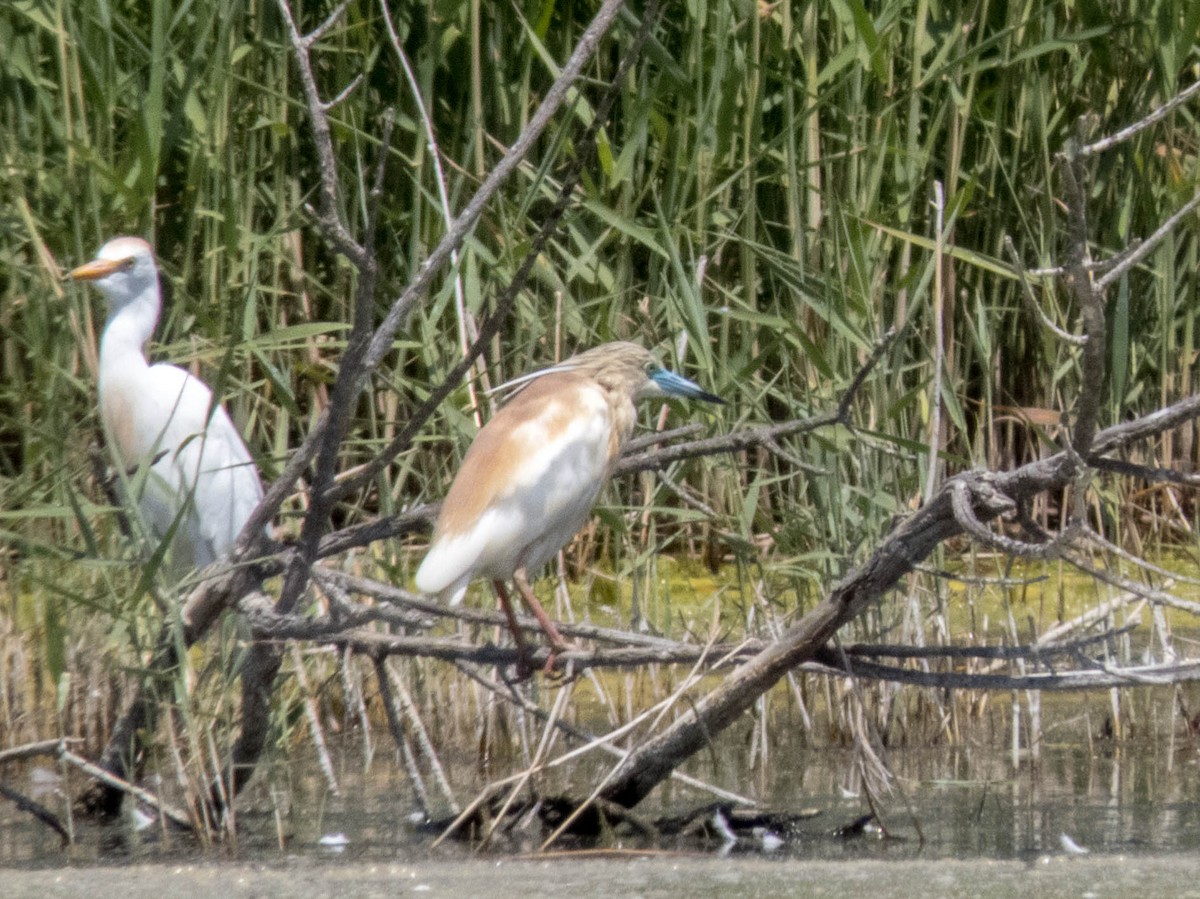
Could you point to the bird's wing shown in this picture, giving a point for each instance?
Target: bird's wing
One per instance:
(199, 452)
(227, 484)
(525, 486)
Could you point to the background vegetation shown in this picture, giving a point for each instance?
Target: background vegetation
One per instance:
(764, 190)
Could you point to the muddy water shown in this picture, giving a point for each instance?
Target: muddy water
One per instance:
(1138, 801)
(1087, 816)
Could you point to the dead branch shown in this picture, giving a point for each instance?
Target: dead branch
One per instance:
(1146, 472)
(1126, 261)
(1089, 298)
(1038, 652)
(1145, 122)
(494, 322)
(172, 814)
(979, 497)
(395, 596)
(1100, 677)
(39, 811)
(33, 750)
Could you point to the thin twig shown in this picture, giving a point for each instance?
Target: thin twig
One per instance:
(170, 812)
(530, 708)
(1141, 124)
(315, 729)
(1101, 677)
(413, 716)
(493, 323)
(39, 811)
(1114, 579)
(1129, 260)
(32, 750)
(1104, 543)
(1031, 302)
(465, 325)
(395, 720)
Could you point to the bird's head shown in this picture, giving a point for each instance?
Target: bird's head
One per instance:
(123, 270)
(634, 370)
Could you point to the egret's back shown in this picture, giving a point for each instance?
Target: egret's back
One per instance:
(202, 482)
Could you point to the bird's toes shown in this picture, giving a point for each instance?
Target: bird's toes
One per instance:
(552, 669)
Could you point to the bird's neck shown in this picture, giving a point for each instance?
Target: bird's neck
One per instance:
(624, 414)
(126, 333)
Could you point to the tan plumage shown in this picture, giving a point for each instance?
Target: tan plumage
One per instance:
(531, 476)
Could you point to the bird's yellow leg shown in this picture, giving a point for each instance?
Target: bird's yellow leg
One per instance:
(557, 643)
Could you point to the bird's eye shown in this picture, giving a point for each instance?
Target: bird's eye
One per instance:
(127, 264)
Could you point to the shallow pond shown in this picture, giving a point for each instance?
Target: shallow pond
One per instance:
(1137, 798)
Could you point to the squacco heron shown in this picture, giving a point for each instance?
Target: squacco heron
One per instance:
(532, 474)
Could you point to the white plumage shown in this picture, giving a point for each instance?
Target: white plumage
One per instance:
(200, 478)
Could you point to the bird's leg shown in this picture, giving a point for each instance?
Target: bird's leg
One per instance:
(557, 643)
(523, 667)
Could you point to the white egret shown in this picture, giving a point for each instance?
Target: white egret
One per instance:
(201, 480)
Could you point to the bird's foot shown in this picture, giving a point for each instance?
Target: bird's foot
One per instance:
(524, 667)
(551, 669)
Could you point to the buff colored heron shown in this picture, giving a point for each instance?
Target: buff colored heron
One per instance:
(201, 484)
(532, 474)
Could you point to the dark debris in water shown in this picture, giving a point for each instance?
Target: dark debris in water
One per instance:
(716, 826)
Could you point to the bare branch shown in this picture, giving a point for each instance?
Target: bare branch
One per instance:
(1146, 472)
(1107, 545)
(33, 750)
(39, 811)
(1114, 579)
(1087, 679)
(1119, 436)
(343, 94)
(174, 815)
(1090, 300)
(850, 396)
(1036, 651)
(1129, 131)
(329, 216)
(1128, 260)
(466, 328)
(387, 593)
(1031, 301)
(655, 438)
(321, 30)
(381, 342)
(964, 496)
